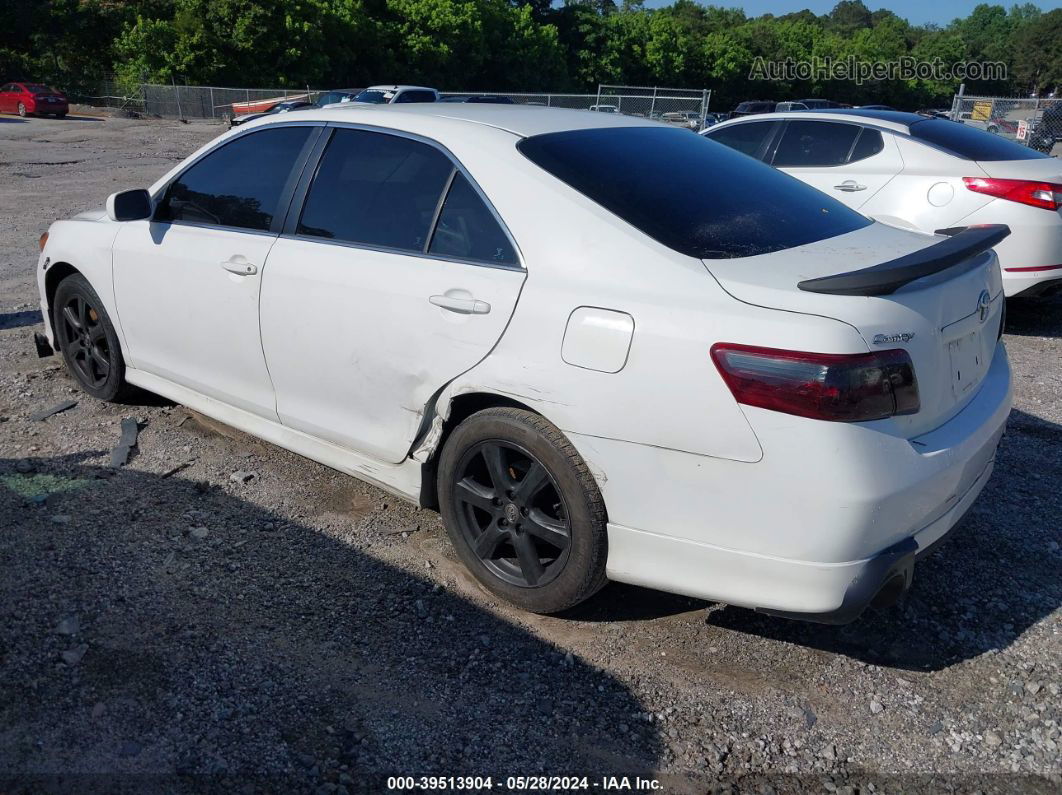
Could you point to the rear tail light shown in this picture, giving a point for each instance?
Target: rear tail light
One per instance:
(1046, 195)
(43, 240)
(822, 386)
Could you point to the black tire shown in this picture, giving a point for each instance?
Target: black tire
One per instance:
(60, 115)
(85, 336)
(993, 129)
(553, 514)
(22, 110)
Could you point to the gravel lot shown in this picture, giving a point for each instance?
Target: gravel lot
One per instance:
(165, 629)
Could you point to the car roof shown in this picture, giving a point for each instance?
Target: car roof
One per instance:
(891, 119)
(424, 117)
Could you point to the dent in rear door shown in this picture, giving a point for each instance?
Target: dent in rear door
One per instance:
(356, 347)
(380, 292)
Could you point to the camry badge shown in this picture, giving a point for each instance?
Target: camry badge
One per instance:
(888, 339)
(984, 305)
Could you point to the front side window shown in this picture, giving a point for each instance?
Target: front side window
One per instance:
(690, 193)
(809, 144)
(467, 230)
(375, 189)
(747, 138)
(237, 185)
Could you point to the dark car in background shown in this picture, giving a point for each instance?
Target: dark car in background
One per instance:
(27, 99)
(753, 106)
(490, 99)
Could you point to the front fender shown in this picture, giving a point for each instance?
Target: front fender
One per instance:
(85, 246)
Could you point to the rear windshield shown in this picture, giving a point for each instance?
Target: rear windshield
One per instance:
(970, 143)
(37, 88)
(695, 196)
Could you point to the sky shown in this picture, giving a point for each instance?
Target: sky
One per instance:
(918, 12)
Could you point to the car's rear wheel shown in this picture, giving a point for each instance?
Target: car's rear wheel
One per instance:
(22, 110)
(87, 339)
(522, 510)
(60, 115)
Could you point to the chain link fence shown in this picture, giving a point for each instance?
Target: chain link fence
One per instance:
(680, 107)
(1033, 122)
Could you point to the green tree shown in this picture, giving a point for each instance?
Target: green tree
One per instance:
(1038, 56)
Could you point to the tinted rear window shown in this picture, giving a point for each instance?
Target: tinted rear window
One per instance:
(695, 196)
(970, 143)
(810, 144)
(375, 189)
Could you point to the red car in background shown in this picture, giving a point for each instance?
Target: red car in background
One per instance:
(32, 98)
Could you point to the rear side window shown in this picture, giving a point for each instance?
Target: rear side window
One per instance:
(689, 193)
(806, 144)
(747, 138)
(970, 143)
(375, 189)
(239, 184)
(867, 145)
(467, 229)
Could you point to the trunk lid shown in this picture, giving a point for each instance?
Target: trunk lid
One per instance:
(937, 319)
(1047, 169)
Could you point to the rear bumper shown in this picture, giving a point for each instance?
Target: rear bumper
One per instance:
(826, 593)
(830, 519)
(1032, 284)
(1035, 242)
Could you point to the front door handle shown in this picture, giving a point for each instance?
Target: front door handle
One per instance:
(850, 186)
(463, 306)
(240, 266)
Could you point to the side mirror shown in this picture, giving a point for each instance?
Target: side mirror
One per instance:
(129, 205)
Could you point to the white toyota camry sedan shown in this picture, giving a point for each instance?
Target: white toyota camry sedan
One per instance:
(602, 347)
(928, 174)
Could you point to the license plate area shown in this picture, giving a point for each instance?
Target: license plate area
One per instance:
(968, 365)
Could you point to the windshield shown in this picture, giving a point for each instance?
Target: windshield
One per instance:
(694, 195)
(970, 143)
(374, 97)
(37, 88)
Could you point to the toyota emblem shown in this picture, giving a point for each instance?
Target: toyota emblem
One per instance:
(984, 305)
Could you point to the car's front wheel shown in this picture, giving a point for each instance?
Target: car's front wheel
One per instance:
(22, 110)
(522, 510)
(87, 339)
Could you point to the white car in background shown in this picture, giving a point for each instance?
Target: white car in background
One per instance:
(754, 395)
(388, 95)
(928, 174)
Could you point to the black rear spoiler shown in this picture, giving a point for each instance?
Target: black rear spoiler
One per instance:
(963, 243)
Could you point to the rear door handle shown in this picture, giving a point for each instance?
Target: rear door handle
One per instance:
(850, 186)
(240, 266)
(463, 306)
